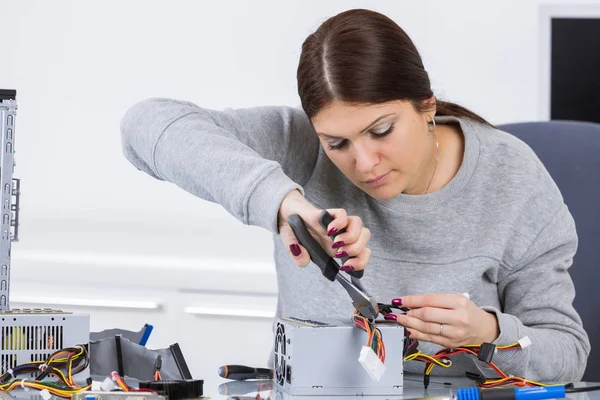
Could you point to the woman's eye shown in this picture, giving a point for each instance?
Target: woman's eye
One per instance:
(384, 130)
(337, 146)
(378, 133)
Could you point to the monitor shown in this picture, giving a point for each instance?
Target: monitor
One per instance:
(569, 45)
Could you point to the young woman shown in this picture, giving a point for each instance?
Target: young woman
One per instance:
(435, 200)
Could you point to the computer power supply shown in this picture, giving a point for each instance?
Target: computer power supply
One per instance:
(321, 358)
(34, 334)
(26, 335)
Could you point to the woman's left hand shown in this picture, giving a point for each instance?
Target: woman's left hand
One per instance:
(450, 320)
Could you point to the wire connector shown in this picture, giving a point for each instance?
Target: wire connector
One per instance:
(45, 394)
(486, 352)
(370, 362)
(475, 376)
(108, 385)
(524, 342)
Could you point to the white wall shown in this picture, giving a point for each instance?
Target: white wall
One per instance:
(78, 66)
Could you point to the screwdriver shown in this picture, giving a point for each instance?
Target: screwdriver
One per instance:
(532, 393)
(242, 372)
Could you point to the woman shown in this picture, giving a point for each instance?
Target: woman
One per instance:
(435, 200)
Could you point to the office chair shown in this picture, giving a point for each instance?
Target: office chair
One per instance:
(570, 150)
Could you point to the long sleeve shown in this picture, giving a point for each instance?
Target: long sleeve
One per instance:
(537, 296)
(246, 160)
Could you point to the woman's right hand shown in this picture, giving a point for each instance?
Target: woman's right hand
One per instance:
(352, 243)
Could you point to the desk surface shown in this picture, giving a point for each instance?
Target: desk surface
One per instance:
(221, 389)
(413, 389)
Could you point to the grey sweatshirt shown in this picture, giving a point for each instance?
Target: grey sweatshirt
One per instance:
(498, 230)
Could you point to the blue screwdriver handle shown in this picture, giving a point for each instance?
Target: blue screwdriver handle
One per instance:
(533, 393)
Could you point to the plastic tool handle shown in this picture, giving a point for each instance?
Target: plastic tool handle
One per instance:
(324, 220)
(328, 266)
(243, 372)
(535, 393)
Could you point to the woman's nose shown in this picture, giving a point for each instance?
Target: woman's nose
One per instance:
(366, 159)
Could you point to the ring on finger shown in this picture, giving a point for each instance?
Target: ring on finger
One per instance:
(441, 330)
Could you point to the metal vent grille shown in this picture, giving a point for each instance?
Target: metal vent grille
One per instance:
(40, 337)
(8, 361)
(26, 343)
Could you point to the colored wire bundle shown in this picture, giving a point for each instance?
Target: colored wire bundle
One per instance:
(157, 376)
(475, 350)
(62, 364)
(441, 358)
(157, 367)
(374, 338)
(124, 386)
(483, 352)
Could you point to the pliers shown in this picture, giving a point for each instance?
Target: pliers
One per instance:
(362, 301)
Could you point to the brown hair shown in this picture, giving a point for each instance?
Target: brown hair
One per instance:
(361, 56)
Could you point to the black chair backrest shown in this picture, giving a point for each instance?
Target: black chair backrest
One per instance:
(570, 150)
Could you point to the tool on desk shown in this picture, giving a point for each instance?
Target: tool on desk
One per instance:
(531, 393)
(363, 303)
(243, 372)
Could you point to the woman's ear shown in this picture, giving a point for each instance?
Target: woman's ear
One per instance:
(427, 107)
(431, 104)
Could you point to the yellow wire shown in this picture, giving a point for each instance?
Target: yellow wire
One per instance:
(498, 347)
(63, 392)
(435, 361)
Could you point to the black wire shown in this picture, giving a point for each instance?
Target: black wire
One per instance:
(581, 389)
(81, 363)
(48, 363)
(86, 360)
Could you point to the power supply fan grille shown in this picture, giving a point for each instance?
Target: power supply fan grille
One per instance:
(26, 343)
(280, 354)
(37, 337)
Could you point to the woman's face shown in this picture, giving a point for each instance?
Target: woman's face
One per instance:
(384, 149)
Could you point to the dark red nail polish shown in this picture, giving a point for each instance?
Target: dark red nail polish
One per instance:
(295, 249)
(397, 302)
(341, 254)
(332, 231)
(347, 268)
(391, 317)
(338, 244)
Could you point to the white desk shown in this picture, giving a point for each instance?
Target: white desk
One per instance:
(413, 388)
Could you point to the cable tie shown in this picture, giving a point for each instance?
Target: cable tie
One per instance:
(43, 366)
(22, 384)
(10, 372)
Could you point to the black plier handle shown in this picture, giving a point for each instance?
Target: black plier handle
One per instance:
(362, 302)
